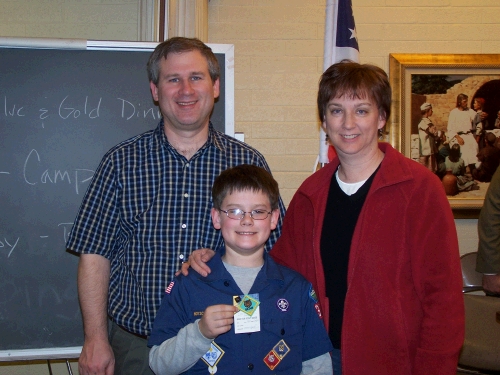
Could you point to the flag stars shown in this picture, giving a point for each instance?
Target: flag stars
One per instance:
(353, 34)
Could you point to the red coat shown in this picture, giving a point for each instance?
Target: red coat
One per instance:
(404, 312)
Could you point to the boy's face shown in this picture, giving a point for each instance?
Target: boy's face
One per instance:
(246, 236)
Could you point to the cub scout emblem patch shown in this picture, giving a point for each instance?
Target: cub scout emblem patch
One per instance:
(248, 305)
(276, 355)
(283, 304)
(212, 357)
(312, 294)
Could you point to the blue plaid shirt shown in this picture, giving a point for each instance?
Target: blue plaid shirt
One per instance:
(146, 209)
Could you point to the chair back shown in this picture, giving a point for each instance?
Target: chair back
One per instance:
(481, 349)
(472, 280)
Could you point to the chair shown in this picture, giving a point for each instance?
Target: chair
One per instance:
(481, 349)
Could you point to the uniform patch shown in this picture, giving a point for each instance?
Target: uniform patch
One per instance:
(318, 310)
(212, 357)
(276, 355)
(169, 287)
(283, 304)
(312, 294)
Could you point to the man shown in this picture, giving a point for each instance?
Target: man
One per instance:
(148, 207)
(426, 131)
(460, 131)
(488, 225)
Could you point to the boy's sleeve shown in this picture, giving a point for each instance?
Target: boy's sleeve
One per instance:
(321, 365)
(179, 353)
(177, 342)
(172, 315)
(315, 338)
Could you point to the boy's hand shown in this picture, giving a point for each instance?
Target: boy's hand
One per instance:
(197, 260)
(216, 320)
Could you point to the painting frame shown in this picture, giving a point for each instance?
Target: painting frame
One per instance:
(398, 130)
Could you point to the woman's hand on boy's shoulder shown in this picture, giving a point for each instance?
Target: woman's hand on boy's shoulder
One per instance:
(197, 260)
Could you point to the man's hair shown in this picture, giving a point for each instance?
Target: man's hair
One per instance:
(180, 45)
(461, 97)
(245, 177)
(353, 80)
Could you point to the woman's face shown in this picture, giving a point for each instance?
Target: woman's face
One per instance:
(352, 125)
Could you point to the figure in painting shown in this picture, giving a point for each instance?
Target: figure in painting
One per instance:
(460, 131)
(426, 134)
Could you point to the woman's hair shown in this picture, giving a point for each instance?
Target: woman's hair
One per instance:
(480, 101)
(353, 80)
(179, 45)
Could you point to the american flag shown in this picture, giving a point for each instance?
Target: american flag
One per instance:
(341, 42)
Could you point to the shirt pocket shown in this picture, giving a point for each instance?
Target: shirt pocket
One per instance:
(284, 336)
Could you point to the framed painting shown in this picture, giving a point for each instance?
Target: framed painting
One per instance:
(445, 115)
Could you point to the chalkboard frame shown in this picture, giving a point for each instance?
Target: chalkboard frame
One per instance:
(227, 50)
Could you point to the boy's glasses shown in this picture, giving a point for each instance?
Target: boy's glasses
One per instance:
(237, 214)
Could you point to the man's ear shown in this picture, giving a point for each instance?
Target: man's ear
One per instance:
(215, 213)
(216, 88)
(154, 90)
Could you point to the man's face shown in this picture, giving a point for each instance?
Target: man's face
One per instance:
(463, 103)
(185, 91)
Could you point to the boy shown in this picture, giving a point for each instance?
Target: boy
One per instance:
(249, 313)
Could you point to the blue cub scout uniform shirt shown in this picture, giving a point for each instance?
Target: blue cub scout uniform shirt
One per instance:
(287, 312)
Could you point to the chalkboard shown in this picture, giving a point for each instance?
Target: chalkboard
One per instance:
(61, 109)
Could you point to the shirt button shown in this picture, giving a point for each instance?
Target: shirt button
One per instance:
(282, 331)
(183, 226)
(186, 195)
(226, 283)
(181, 256)
(250, 366)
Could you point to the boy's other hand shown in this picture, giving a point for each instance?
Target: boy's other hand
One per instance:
(197, 261)
(216, 320)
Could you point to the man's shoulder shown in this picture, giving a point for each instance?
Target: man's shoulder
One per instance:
(230, 143)
(137, 141)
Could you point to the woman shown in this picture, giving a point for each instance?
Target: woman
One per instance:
(374, 232)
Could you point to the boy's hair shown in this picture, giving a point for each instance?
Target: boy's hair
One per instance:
(179, 45)
(245, 177)
(352, 80)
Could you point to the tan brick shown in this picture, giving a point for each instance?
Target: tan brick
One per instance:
(285, 65)
(290, 163)
(298, 81)
(269, 146)
(246, 112)
(293, 179)
(261, 48)
(282, 130)
(301, 113)
(254, 81)
(304, 47)
(302, 146)
(283, 97)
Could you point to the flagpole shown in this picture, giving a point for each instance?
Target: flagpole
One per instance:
(338, 20)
